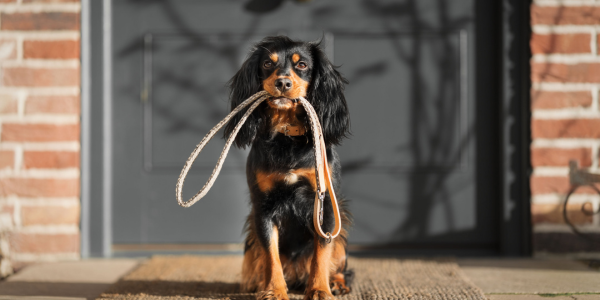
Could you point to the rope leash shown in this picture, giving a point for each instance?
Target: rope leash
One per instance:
(322, 168)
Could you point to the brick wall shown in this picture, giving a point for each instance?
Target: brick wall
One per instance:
(565, 73)
(39, 129)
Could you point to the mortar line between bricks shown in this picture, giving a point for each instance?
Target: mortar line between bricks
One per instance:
(566, 3)
(558, 29)
(19, 41)
(41, 63)
(564, 142)
(65, 173)
(550, 171)
(568, 59)
(563, 86)
(50, 203)
(41, 35)
(559, 198)
(42, 146)
(565, 113)
(594, 105)
(595, 157)
(18, 158)
(40, 7)
(58, 119)
(17, 214)
(49, 229)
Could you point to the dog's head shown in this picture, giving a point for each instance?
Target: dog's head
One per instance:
(288, 70)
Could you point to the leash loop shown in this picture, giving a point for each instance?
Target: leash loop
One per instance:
(322, 173)
(261, 96)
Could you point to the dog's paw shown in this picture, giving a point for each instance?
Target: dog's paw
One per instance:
(338, 287)
(272, 295)
(319, 295)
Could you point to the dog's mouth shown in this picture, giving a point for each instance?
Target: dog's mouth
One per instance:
(281, 102)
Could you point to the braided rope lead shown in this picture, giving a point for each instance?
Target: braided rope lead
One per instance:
(323, 176)
(321, 166)
(261, 96)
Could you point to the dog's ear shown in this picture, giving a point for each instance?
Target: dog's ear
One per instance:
(326, 94)
(245, 83)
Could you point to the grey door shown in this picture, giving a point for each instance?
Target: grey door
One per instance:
(420, 168)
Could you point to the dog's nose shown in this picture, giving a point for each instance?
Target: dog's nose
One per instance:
(283, 84)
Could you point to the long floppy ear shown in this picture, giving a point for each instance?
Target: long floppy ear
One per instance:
(326, 94)
(245, 83)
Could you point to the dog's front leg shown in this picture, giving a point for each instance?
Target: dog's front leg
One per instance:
(318, 282)
(275, 287)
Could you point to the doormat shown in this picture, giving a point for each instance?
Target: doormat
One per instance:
(218, 277)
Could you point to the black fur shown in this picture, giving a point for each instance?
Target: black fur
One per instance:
(289, 206)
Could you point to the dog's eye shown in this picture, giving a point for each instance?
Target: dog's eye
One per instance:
(267, 64)
(301, 65)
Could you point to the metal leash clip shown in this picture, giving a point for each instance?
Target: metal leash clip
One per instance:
(328, 239)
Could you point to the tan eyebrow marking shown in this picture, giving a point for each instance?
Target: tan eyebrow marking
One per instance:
(274, 57)
(295, 57)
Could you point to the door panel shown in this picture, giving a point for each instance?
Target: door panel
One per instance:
(409, 167)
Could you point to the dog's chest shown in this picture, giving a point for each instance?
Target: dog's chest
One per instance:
(268, 181)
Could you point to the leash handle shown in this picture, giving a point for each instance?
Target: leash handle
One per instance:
(261, 96)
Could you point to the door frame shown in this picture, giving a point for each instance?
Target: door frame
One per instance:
(513, 27)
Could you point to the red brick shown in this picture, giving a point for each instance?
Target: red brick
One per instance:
(40, 21)
(45, 243)
(563, 15)
(8, 49)
(555, 185)
(550, 72)
(560, 43)
(39, 132)
(49, 215)
(39, 77)
(7, 159)
(566, 128)
(50, 159)
(52, 105)
(553, 99)
(51, 49)
(560, 157)
(553, 213)
(37, 187)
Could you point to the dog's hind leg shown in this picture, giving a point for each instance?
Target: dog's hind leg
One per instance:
(341, 278)
(252, 267)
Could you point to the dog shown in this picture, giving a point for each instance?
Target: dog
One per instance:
(282, 249)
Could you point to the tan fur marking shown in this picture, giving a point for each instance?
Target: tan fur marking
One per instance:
(265, 181)
(295, 57)
(274, 57)
(308, 173)
(299, 87)
(269, 85)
